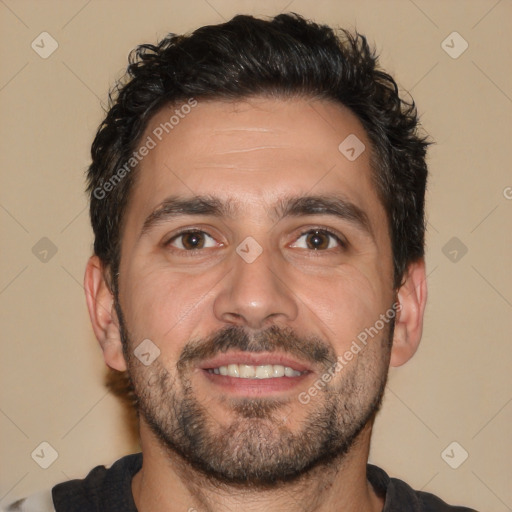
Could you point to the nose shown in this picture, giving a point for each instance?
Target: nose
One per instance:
(255, 294)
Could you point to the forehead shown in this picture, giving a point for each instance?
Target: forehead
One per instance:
(257, 151)
(246, 134)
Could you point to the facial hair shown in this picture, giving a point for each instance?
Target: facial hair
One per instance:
(257, 447)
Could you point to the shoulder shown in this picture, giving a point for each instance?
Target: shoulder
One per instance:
(400, 496)
(106, 489)
(102, 489)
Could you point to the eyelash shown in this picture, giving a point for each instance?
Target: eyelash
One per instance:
(193, 252)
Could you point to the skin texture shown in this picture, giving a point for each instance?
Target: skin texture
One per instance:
(253, 154)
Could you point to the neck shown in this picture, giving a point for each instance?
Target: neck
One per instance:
(169, 483)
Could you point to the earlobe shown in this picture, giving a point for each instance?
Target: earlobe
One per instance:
(409, 321)
(100, 303)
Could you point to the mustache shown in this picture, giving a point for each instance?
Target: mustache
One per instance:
(310, 349)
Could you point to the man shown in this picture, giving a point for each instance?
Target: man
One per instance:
(257, 199)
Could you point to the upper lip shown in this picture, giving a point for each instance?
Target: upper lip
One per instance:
(254, 359)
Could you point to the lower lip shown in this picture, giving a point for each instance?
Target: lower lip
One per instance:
(240, 386)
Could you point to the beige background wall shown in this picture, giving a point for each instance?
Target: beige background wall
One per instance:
(458, 386)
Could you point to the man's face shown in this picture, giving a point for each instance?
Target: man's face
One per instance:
(254, 281)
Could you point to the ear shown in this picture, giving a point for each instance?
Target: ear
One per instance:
(105, 324)
(412, 296)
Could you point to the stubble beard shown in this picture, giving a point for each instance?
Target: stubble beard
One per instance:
(257, 447)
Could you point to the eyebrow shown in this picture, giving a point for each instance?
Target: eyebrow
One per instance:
(289, 206)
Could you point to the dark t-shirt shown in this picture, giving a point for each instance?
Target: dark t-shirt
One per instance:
(109, 490)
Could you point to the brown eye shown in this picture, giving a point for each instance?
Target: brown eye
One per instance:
(319, 239)
(190, 240)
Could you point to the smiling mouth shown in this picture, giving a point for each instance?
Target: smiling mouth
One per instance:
(245, 374)
(246, 371)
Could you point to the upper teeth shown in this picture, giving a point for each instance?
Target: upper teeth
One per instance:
(246, 371)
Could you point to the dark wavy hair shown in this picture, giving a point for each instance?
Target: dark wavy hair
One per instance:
(286, 56)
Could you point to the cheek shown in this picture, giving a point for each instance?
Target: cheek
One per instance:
(164, 305)
(346, 303)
